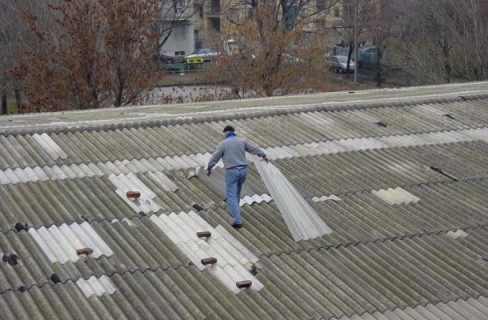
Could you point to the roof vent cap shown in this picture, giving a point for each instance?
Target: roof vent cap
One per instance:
(55, 278)
(133, 195)
(21, 226)
(84, 251)
(10, 258)
(244, 284)
(207, 261)
(204, 234)
(254, 270)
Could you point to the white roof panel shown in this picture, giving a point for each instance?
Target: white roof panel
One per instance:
(60, 243)
(232, 257)
(96, 286)
(50, 146)
(301, 219)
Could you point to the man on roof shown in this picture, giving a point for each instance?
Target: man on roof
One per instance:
(232, 151)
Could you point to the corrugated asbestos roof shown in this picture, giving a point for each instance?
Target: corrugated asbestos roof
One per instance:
(400, 177)
(302, 220)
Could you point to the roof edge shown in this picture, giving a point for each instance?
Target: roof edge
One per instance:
(239, 114)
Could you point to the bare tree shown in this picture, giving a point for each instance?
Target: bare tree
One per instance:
(13, 34)
(380, 27)
(439, 41)
(6, 33)
(87, 54)
(470, 43)
(356, 22)
(273, 55)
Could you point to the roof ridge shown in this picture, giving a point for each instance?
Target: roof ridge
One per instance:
(238, 114)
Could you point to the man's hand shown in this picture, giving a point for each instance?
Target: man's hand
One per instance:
(209, 172)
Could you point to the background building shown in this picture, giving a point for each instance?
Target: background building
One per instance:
(181, 39)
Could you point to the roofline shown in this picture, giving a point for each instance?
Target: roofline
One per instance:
(179, 114)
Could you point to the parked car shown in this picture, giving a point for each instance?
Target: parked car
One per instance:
(367, 54)
(201, 55)
(339, 64)
(164, 58)
(169, 63)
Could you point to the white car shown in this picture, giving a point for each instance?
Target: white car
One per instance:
(339, 64)
(201, 55)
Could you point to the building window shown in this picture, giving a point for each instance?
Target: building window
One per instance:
(180, 53)
(179, 5)
(290, 16)
(337, 13)
(215, 7)
(320, 5)
(215, 25)
(200, 10)
(348, 11)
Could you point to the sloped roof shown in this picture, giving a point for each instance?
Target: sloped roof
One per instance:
(399, 175)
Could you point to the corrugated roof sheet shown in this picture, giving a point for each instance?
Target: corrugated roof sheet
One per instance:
(395, 196)
(453, 310)
(60, 244)
(232, 259)
(302, 220)
(193, 162)
(422, 255)
(98, 286)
